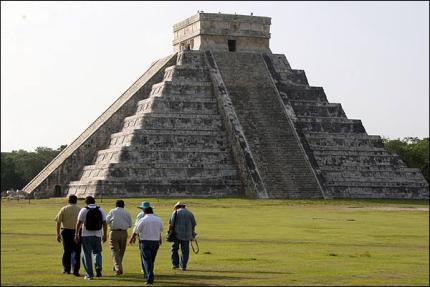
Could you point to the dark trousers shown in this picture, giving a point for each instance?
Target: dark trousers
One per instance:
(185, 250)
(72, 251)
(149, 252)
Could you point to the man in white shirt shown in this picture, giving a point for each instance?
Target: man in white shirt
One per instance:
(119, 220)
(91, 219)
(149, 229)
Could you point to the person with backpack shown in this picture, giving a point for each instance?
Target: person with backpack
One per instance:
(91, 220)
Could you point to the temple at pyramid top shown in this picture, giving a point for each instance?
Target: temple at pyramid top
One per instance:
(222, 32)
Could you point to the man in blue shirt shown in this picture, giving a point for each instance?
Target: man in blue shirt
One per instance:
(183, 221)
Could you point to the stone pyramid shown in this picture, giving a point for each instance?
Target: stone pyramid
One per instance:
(224, 116)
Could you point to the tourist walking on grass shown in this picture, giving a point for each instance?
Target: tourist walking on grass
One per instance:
(91, 220)
(149, 230)
(184, 224)
(66, 225)
(119, 220)
(140, 215)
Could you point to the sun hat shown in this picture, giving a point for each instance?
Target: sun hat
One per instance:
(179, 203)
(144, 205)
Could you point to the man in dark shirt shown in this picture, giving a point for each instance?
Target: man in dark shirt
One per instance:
(184, 223)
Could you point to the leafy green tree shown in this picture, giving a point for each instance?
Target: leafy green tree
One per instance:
(19, 167)
(9, 177)
(413, 151)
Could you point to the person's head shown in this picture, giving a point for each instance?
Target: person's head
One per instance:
(90, 200)
(143, 205)
(178, 205)
(120, 203)
(73, 199)
(148, 210)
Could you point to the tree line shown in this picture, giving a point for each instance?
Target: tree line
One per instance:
(413, 151)
(19, 167)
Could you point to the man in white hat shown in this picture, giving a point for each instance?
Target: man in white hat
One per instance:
(184, 223)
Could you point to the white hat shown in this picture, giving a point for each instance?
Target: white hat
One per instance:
(179, 203)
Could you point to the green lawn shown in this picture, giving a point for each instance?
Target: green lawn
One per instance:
(242, 242)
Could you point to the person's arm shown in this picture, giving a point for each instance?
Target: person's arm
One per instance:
(135, 232)
(104, 231)
(129, 220)
(78, 230)
(170, 223)
(109, 217)
(132, 238)
(59, 219)
(58, 231)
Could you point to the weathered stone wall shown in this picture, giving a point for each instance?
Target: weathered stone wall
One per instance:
(276, 149)
(349, 162)
(206, 31)
(173, 145)
(67, 166)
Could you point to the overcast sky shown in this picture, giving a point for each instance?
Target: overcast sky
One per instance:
(64, 63)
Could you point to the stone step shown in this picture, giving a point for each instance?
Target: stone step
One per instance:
(169, 88)
(138, 189)
(150, 132)
(185, 73)
(192, 137)
(313, 109)
(357, 168)
(155, 170)
(142, 155)
(191, 57)
(154, 165)
(378, 191)
(173, 121)
(161, 181)
(162, 105)
(350, 140)
(293, 77)
(306, 93)
(376, 182)
(332, 125)
(141, 115)
(374, 174)
(364, 159)
(146, 103)
(346, 148)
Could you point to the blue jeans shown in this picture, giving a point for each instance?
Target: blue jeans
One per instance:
(141, 258)
(72, 251)
(185, 249)
(149, 252)
(91, 245)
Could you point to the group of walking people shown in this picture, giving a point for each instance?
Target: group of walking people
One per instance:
(86, 228)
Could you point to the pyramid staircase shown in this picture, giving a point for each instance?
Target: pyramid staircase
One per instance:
(174, 145)
(349, 162)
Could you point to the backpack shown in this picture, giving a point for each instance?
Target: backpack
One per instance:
(93, 221)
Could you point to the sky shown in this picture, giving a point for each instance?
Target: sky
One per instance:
(64, 63)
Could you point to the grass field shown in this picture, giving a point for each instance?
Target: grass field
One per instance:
(242, 242)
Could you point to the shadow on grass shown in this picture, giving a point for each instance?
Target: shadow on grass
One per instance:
(172, 279)
(242, 271)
